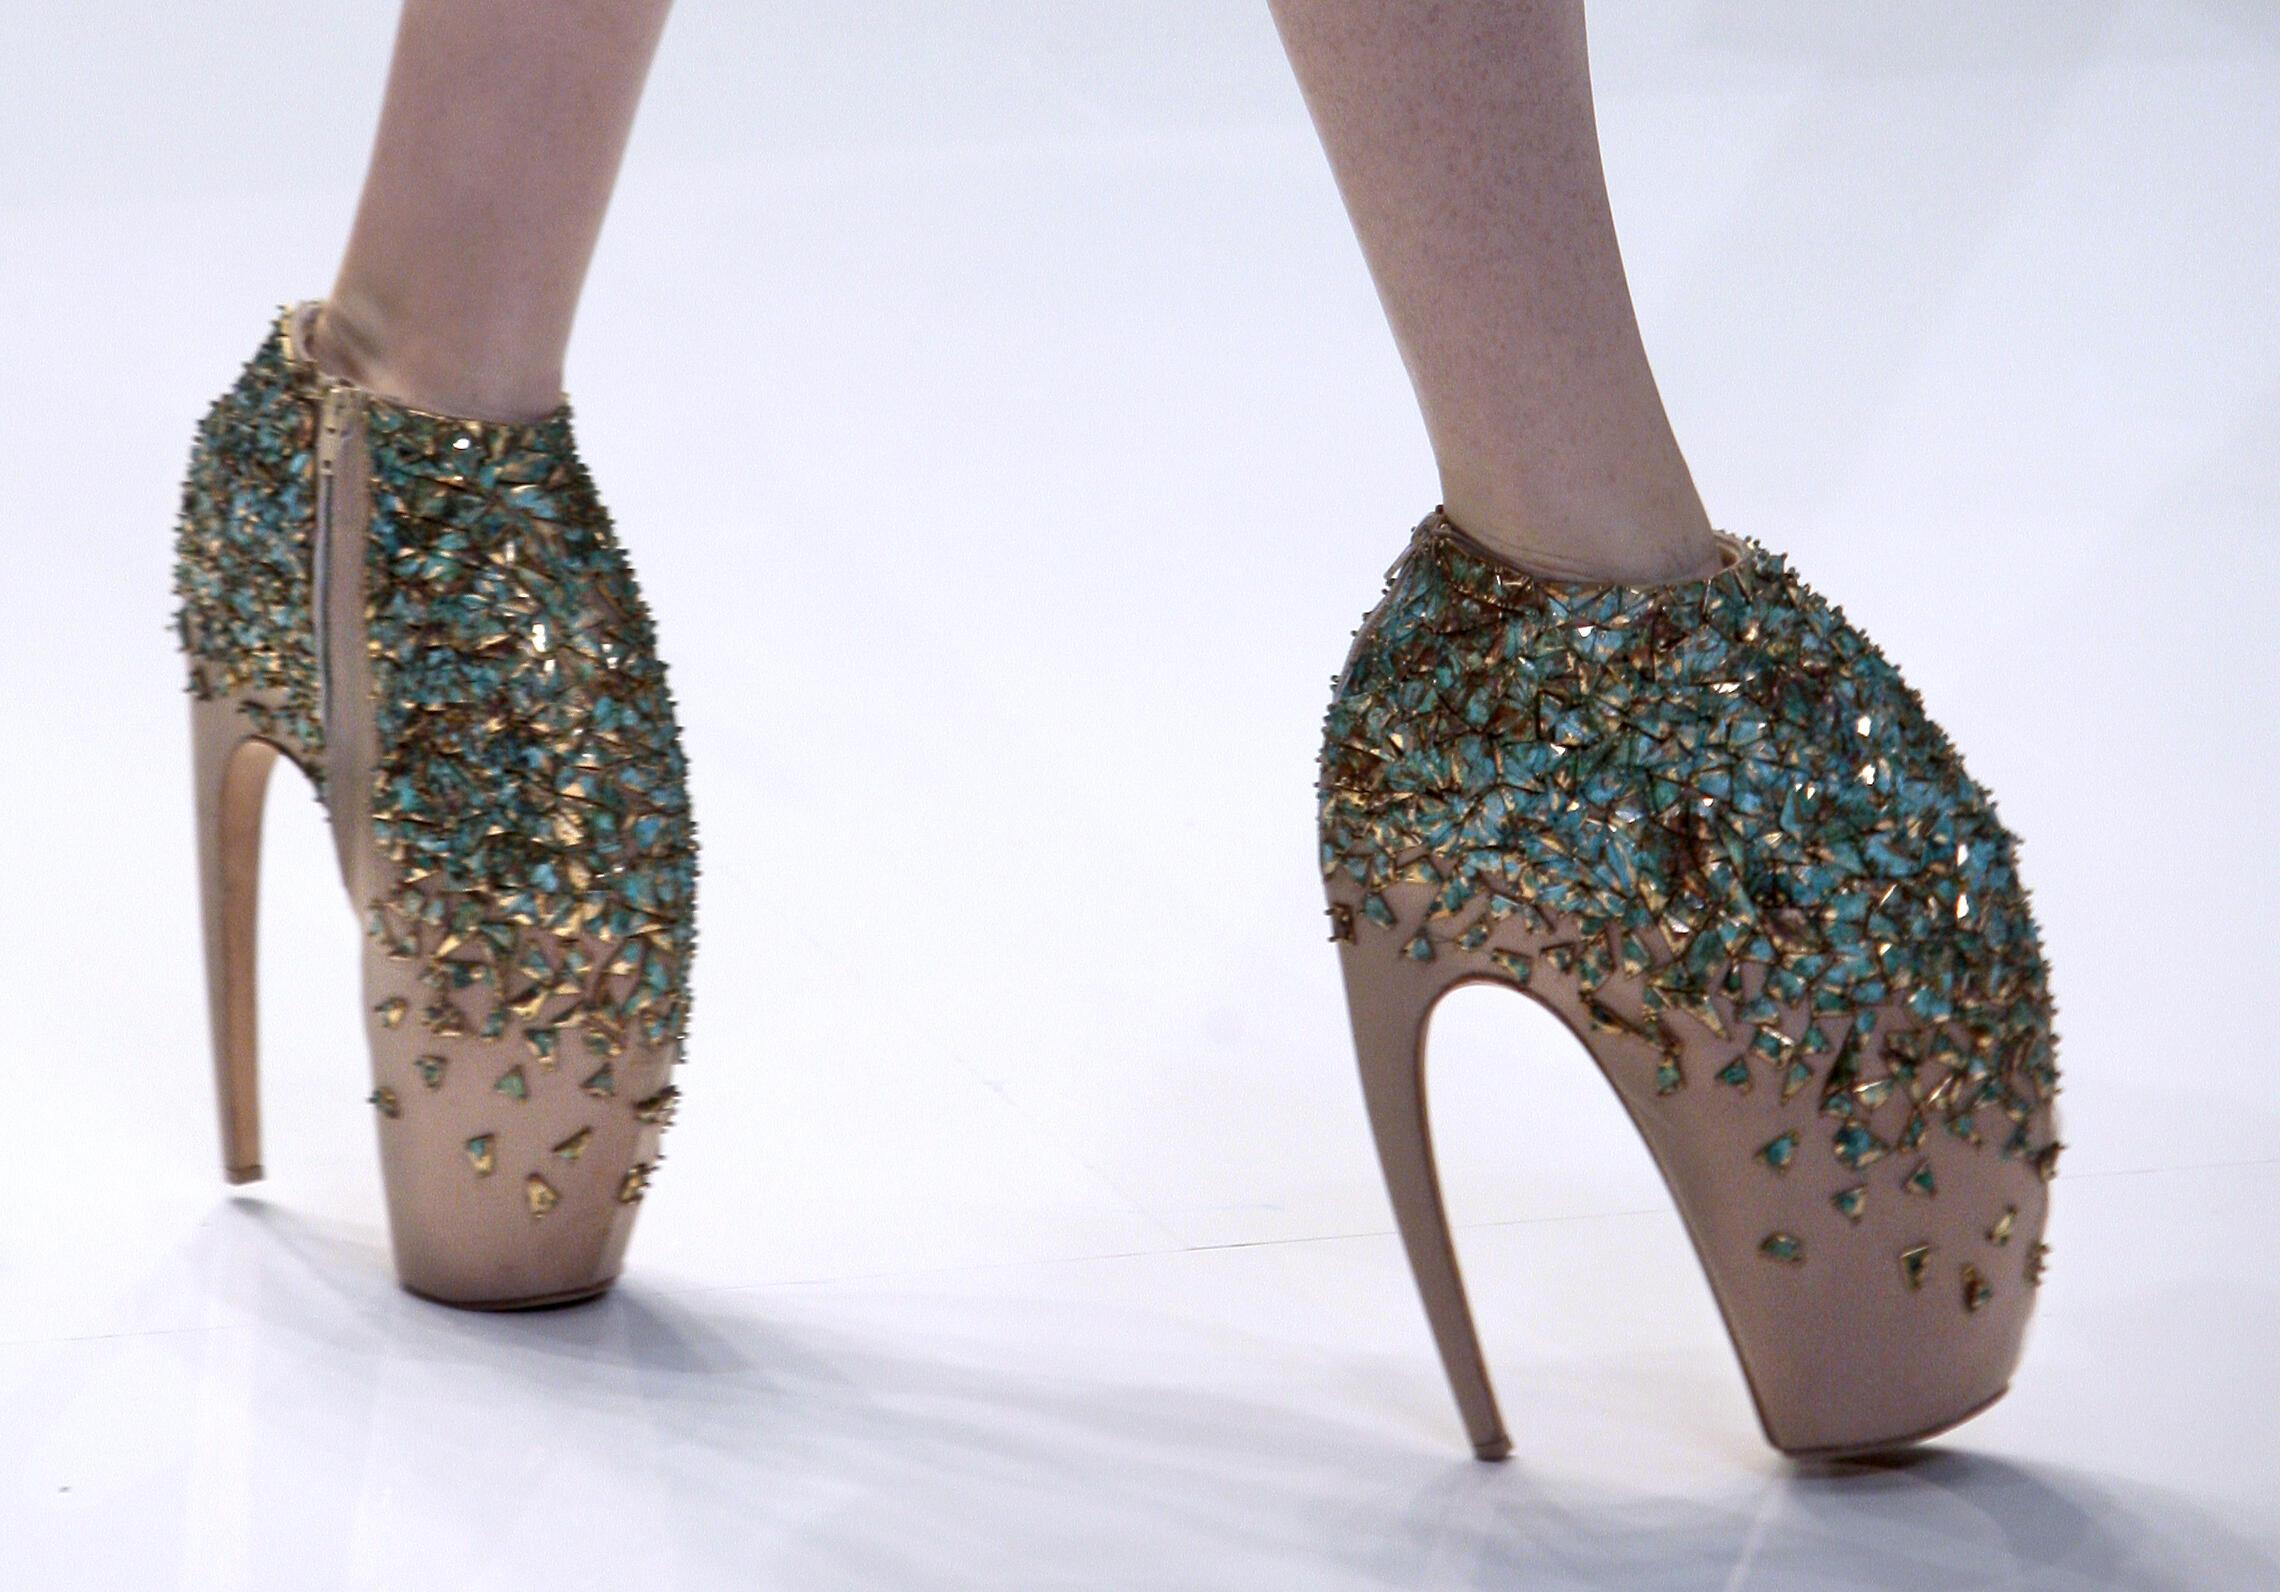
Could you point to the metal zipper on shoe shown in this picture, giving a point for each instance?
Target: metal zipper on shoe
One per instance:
(340, 407)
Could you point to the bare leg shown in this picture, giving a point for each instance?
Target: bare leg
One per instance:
(1463, 139)
(499, 142)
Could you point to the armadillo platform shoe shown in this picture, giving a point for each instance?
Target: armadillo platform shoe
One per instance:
(431, 618)
(1711, 829)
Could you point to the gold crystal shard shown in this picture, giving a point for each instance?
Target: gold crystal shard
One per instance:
(384, 1100)
(1976, 1290)
(575, 1145)
(391, 1011)
(2000, 1233)
(540, 1195)
(483, 1153)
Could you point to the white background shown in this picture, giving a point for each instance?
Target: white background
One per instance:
(1000, 417)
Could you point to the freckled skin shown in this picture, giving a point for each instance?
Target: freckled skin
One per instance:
(1465, 144)
(1462, 134)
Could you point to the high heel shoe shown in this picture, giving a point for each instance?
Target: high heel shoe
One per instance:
(1712, 830)
(431, 619)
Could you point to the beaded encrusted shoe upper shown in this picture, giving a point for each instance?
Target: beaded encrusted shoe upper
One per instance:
(529, 792)
(530, 788)
(1695, 781)
(242, 555)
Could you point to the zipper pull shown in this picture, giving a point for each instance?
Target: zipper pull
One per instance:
(332, 426)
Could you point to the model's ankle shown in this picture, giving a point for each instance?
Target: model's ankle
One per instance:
(1614, 543)
(424, 372)
(337, 346)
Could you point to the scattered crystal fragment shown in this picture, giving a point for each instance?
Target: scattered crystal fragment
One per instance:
(1786, 1247)
(1779, 1152)
(575, 1145)
(540, 1195)
(482, 1153)
(1913, 1261)
(391, 1011)
(2038, 1257)
(513, 1084)
(431, 1070)
(1856, 1147)
(1851, 1203)
(602, 1084)
(2000, 1233)
(635, 1182)
(1976, 1290)
(1920, 1181)
(384, 1100)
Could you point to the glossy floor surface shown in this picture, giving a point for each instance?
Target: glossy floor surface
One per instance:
(998, 412)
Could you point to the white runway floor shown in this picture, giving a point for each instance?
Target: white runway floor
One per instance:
(1000, 417)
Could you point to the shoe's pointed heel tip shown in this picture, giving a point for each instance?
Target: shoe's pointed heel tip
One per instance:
(243, 1174)
(1492, 1449)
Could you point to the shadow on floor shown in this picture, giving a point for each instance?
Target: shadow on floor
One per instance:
(806, 1447)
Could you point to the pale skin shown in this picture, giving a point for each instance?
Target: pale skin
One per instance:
(1463, 139)
(490, 176)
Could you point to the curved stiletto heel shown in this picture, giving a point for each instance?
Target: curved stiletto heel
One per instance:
(1711, 829)
(231, 777)
(430, 618)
